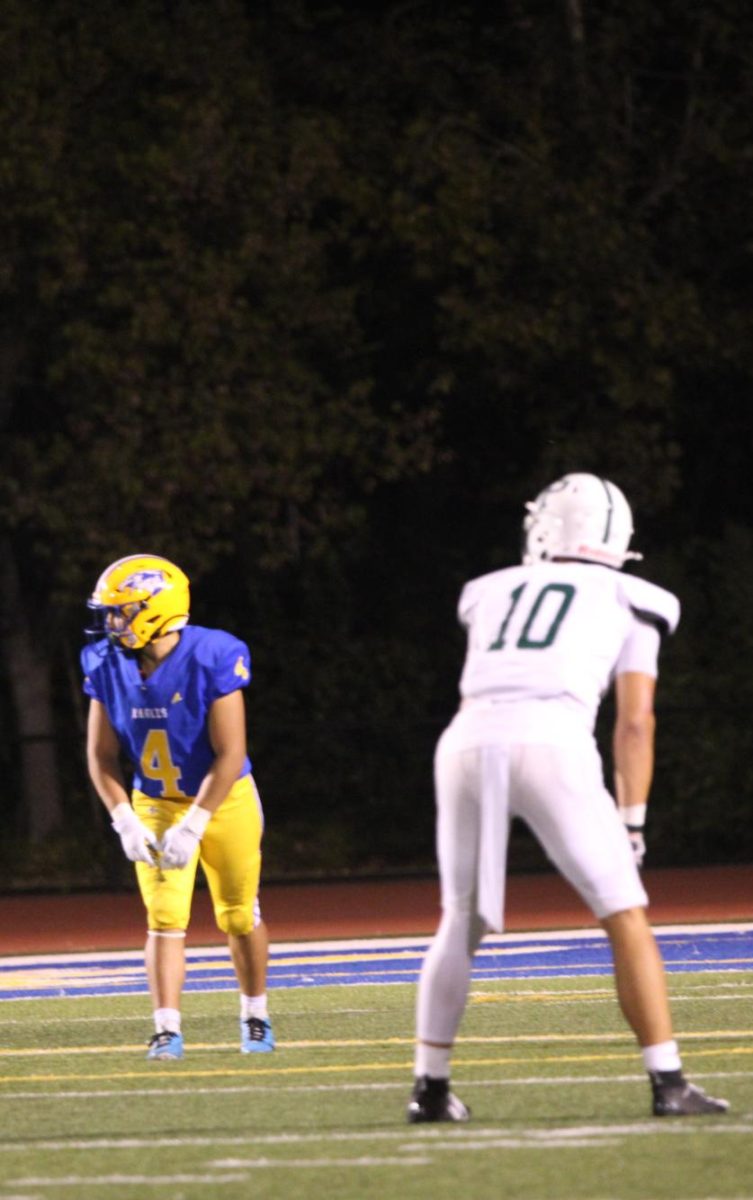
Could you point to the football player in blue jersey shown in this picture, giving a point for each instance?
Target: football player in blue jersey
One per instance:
(167, 696)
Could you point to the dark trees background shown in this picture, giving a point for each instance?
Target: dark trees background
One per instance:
(311, 299)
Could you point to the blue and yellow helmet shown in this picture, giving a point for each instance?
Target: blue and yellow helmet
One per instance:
(139, 598)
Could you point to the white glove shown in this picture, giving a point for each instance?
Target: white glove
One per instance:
(180, 841)
(139, 843)
(633, 818)
(638, 845)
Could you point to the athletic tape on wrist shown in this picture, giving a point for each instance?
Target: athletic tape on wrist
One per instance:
(196, 820)
(634, 817)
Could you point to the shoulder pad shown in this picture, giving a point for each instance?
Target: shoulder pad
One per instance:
(465, 603)
(467, 600)
(213, 648)
(92, 655)
(650, 603)
(472, 591)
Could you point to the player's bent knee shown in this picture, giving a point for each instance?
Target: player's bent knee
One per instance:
(626, 922)
(162, 918)
(635, 913)
(235, 921)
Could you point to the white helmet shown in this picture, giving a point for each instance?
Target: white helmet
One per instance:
(579, 516)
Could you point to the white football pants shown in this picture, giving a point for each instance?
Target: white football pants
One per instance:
(559, 792)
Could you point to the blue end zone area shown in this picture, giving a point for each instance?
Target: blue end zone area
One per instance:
(396, 960)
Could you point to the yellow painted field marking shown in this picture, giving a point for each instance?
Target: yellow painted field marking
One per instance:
(550, 997)
(72, 974)
(512, 1039)
(176, 1071)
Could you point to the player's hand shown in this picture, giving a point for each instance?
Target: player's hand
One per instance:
(637, 845)
(178, 846)
(180, 841)
(139, 843)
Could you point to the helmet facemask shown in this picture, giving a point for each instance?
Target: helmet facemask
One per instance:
(113, 622)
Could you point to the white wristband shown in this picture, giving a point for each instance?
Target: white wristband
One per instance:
(634, 815)
(196, 820)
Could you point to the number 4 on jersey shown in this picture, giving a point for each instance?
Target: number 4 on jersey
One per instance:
(157, 762)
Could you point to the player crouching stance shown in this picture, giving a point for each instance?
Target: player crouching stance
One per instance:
(167, 696)
(545, 642)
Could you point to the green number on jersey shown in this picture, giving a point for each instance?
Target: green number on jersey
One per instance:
(526, 641)
(499, 640)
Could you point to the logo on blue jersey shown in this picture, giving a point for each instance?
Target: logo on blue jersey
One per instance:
(241, 670)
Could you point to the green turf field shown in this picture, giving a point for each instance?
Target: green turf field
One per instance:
(560, 1103)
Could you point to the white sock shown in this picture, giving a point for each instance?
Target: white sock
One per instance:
(664, 1056)
(167, 1020)
(254, 1006)
(432, 1060)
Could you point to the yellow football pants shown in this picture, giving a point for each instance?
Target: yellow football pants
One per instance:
(230, 857)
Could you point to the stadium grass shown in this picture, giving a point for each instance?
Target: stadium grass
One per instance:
(560, 1102)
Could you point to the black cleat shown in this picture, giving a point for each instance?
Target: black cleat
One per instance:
(673, 1096)
(432, 1100)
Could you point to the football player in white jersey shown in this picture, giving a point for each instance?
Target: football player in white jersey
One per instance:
(546, 640)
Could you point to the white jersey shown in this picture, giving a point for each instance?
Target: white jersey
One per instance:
(545, 642)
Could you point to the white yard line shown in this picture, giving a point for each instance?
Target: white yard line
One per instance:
(403, 1086)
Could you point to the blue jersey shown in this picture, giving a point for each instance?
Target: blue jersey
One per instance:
(161, 722)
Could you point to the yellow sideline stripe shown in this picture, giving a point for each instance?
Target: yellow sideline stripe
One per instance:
(313, 959)
(177, 1071)
(605, 993)
(335, 1043)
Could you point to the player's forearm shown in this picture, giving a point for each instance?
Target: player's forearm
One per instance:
(108, 783)
(633, 752)
(218, 780)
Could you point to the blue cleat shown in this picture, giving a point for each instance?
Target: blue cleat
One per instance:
(256, 1036)
(165, 1045)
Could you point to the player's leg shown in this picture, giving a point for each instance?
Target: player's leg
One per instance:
(250, 955)
(639, 975)
(166, 971)
(446, 971)
(641, 984)
(560, 794)
(167, 898)
(166, 968)
(575, 819)
(231, 859)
